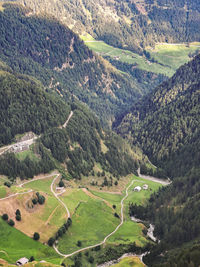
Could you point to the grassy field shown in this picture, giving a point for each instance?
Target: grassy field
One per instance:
(174, 55)
(91, 222)
(168, 57)
(15, 245)
(43, 185)
(92, 215)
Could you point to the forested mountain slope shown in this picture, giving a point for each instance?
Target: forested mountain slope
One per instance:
(25, 106)
(166, 123)
(43, 48)
(132, 24)
(167, 126)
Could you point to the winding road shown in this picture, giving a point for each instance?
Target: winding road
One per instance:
(109, 235)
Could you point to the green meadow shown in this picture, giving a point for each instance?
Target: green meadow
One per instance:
(91, 223)
(15, 245)
(165, 58)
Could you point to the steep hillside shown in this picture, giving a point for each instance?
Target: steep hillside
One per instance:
(70, 135)
(25, 106)
(49, 51)
(166, 123)
(132, 24)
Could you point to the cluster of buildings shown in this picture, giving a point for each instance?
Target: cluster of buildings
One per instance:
(139, 188)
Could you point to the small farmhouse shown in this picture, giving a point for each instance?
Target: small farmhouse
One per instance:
(137, 189)
(22, 261)
(145, 186)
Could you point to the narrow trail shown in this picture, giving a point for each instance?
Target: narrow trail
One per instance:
(65, 206)
(70, 115)
(16, 194)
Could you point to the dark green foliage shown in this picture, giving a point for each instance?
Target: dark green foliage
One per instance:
(51, 241)
(11, 222)
(27, 168)
(5, 217)
(40, 198)
(91, 259)
(53, 54)
(31, 259)
(166, 123)
(84, 134)
(7, 184)
(26, 107)
(36, 236)
(18, 212)
(18, 217)
(34, 201)
(116, 215)
(168, 129)
(79, 243)
(61, 183)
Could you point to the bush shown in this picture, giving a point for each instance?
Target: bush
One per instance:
(11, 222)
(31, 259)
(116, 215)
(91, 259)
(18, 217)
(61, 183)
(18, 212)
(41, 199)
(34, 201)
(7, 184)
(5, 216)
(36, 236)
(79, 243)
(51, 241)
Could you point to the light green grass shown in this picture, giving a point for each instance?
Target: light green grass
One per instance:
(128, 233)
(43, 185)
(17, 245)
(113, 199)
(91, 222)
(127, 56)
(173, 55)
(168, 57)
(27, 153)
(73, 198)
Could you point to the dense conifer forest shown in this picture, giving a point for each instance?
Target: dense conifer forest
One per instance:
(167, 127)
(52, 53)
(127, 24)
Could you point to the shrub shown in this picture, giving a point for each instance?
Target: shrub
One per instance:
(79, 243)
(51, 241)
(36, 236)
(11, 222)
(18, 217)
(5, 216)
(61, 184)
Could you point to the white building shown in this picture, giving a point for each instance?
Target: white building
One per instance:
(22, 261)
(145, 186)
(137, 189)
